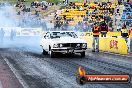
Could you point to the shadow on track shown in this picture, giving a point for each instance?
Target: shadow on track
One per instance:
(58, 56)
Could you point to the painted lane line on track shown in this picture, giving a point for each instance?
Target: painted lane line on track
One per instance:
(1, 85)
(117, 54)
(20, 79)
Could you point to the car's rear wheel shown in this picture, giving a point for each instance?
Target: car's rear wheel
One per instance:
(82, 54)
(44, 52)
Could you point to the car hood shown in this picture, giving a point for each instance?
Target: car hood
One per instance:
(67, 40)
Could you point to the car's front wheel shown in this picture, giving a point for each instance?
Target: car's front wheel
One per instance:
(44, 52)
(83, 54)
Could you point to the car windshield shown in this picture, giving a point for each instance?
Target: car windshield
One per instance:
(63, 34)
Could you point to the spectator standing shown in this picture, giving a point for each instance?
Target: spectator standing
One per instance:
(119, 27)
(96, 33)
(37, 13)
(44, 26)
(130, 31)
(103, 29)
(12, 35)
(89, 28)
(2, 33)
(124, 32)
(65, 25)
(110, 25)
(85, 25)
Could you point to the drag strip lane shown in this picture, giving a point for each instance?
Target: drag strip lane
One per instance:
(40, 71)
(31, 63)
(54, 66)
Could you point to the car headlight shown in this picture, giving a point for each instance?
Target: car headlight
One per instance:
(84, 45)
(55, 45)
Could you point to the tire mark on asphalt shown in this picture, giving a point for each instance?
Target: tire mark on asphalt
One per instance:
(22, 55)
(85, 67)
(55, 64)
(111, 58)
(60, 64)
(107, 85)
(28, 79)
(72, 72)
(108, 67)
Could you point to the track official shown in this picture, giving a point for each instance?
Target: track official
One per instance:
(124, 33)
(96, 33)
(103, 29)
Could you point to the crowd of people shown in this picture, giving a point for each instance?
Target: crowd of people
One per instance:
(100, 12)
(127, 15)
(31, 15)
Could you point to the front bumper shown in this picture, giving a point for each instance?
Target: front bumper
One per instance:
(69, 50)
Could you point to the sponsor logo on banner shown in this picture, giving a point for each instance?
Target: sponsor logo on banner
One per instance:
(113, 44)
(82, 77)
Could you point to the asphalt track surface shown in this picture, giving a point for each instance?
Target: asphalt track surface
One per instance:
(41, 71)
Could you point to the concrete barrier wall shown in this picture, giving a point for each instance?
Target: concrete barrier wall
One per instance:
(109, 44)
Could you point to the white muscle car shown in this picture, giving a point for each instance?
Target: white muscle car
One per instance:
(62, 42)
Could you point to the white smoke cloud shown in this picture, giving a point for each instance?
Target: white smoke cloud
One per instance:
(7, 15)
(9, 22)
